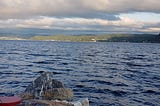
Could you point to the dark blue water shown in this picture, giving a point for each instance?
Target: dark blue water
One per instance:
(109, 74)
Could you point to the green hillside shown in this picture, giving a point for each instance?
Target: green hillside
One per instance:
(148, 38)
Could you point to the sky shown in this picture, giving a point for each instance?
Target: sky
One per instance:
(95, 15)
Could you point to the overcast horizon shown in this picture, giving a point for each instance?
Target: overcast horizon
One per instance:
(82, 15)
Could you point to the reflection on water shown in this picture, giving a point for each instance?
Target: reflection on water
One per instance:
(109, 74)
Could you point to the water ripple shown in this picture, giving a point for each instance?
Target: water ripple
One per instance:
(109, 74)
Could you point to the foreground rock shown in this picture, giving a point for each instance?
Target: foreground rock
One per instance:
(84, 102)
(46, 91)
(45, 87)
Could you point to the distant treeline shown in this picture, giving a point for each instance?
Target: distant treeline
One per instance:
(139, 38)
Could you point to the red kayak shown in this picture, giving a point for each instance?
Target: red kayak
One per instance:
(10, 101)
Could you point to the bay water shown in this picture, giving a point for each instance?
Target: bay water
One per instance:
(107, 73)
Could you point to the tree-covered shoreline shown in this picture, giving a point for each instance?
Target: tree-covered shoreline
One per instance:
(139, 38)
(136, 38)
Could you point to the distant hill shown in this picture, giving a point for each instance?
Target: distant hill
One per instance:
(75, 36)
(31, 32)
(139, 38)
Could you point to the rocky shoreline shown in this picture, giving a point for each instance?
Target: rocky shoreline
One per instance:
(46, 91)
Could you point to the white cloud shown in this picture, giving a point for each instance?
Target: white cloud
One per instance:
(124, 24)
(64, 22)
(151, 30)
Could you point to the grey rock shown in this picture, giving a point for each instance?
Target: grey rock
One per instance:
(46, 103)
(59, 94)
(43, 82)
(35, 102)
(40, 88)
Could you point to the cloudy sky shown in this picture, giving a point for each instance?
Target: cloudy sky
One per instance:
(97, 15)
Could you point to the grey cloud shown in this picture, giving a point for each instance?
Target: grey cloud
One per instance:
(106, 9)
(77, 14)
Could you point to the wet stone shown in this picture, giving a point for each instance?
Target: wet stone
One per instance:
(84, 102)
(46, 91)
(41, 88)
(59, 93)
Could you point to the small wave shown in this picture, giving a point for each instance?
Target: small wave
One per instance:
(106, 91)
(14, 82)
(91, 55)
(132, 58)
(104, 82)
(156, 77)
(111, 63)
(18, 65)
(119, 93)
(10, 73)
(151, 92)
(2, 53)
(139, 65)
(100, 82)
(80, 85)
(63, 64)
(57, 73)
(4, 66)
(67, 70)
(112, 68)
(149, 104)
(9, 53)
(45, 62)
(2, 94)
(88, 89)
(137, 57)
(120, 84)
(40, 55)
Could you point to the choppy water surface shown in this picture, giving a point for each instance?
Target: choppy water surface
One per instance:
(109, 74)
